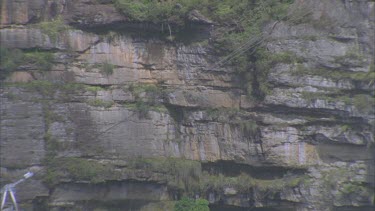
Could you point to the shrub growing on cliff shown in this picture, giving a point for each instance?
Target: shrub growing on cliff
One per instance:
(249, 127)
(187, 204)
(246, 20)
(107, 68)
(53, 28)
(78, 169)
(142, 109)
(147, 97)
(42, 60)
(100, 103)
(11, 59)
(182, 174)
(364, 103)
(260, 64)
(158, 11)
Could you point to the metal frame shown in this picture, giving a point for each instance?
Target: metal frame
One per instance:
(9, 189)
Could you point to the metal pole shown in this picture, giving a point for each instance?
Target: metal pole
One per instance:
(13, 199)
(4, 198)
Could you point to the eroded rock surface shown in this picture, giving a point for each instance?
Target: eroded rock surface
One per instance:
(128, 121)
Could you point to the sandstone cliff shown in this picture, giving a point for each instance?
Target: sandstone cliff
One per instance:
(112, 115)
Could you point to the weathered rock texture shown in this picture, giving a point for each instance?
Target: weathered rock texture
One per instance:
(312, 137)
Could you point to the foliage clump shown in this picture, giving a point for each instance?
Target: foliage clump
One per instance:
(158, 11)
(48, 88)
(188, 176)
(258, 67)
(12, 59)
(181, 173)
(42, 60)
(364, 103)
(78, 169)
(244, 23)
(188, 204)
(100, 103)
(53, 28)
(147, 97)
(107, 68)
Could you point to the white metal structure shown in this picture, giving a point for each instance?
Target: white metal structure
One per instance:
(9, 188)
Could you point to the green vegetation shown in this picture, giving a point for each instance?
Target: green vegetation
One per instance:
(343, 179)
(257, 86)
(187, 175)
(310, 37)
(142, 109)
(100, 103)
(345, 128)
(372, 67)
(93, 89)
(362, 102)
(158, 206)
(221, 10)
(53, 145)
(230, 115)
(330, 177)
(368, 77)
(78, 169)
(371, 73)
(304, 14)
(158, 11)
(248, 17)
(249, 127)
(188, 204)
(11, 96)
(11, 59)
(218, 113)
(246, 20)
(53, 28)
(151, 90)
(353, 188)
(42, 60)
(238, 22)
(310, 96)
(49, 91)
(51, 117)
(70, 87)
(351, 54)
(48, 88)
(107, 68)
(244, 182)
(147, 97)
(181, 173)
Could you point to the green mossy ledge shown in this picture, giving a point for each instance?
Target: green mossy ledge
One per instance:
(185, 176)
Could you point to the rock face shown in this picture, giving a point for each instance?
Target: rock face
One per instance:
(128, 121)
